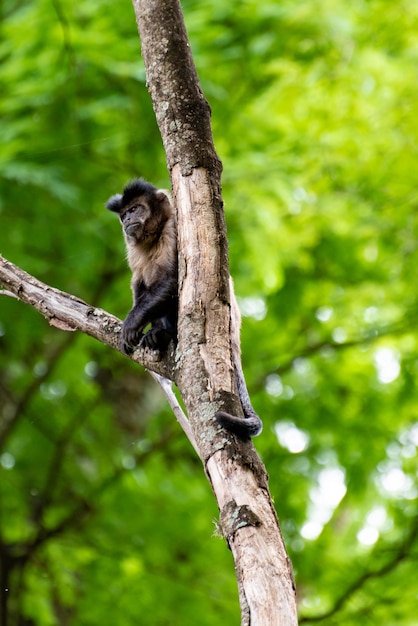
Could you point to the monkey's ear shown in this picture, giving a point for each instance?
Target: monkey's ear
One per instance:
(115, 203)
(162, 194)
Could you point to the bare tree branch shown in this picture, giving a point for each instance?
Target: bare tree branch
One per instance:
(69, 313)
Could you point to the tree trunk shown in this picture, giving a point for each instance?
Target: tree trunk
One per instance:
(204, 371)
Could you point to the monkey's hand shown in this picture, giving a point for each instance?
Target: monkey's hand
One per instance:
(131, 332)
(156, 339)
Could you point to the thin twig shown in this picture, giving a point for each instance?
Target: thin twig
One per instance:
(167, 387)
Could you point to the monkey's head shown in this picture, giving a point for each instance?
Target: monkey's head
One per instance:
(143, 210)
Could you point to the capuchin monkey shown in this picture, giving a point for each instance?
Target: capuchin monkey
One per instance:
(149, 227)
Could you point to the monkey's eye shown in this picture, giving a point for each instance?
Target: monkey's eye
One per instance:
(129, 211)
(141, 208)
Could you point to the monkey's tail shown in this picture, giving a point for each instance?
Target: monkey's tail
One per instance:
(248, 426)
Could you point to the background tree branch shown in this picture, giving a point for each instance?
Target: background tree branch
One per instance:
(397, 554)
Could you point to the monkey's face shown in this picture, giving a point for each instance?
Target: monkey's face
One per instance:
(144, 217)
(136, 219)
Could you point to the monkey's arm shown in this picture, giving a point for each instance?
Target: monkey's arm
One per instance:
(150, 304)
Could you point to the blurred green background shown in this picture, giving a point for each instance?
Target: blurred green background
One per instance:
(105, 512)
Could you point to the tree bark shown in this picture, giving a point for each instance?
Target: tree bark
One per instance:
(204, 371)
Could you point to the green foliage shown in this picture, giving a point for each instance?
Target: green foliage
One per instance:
(105, 514)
